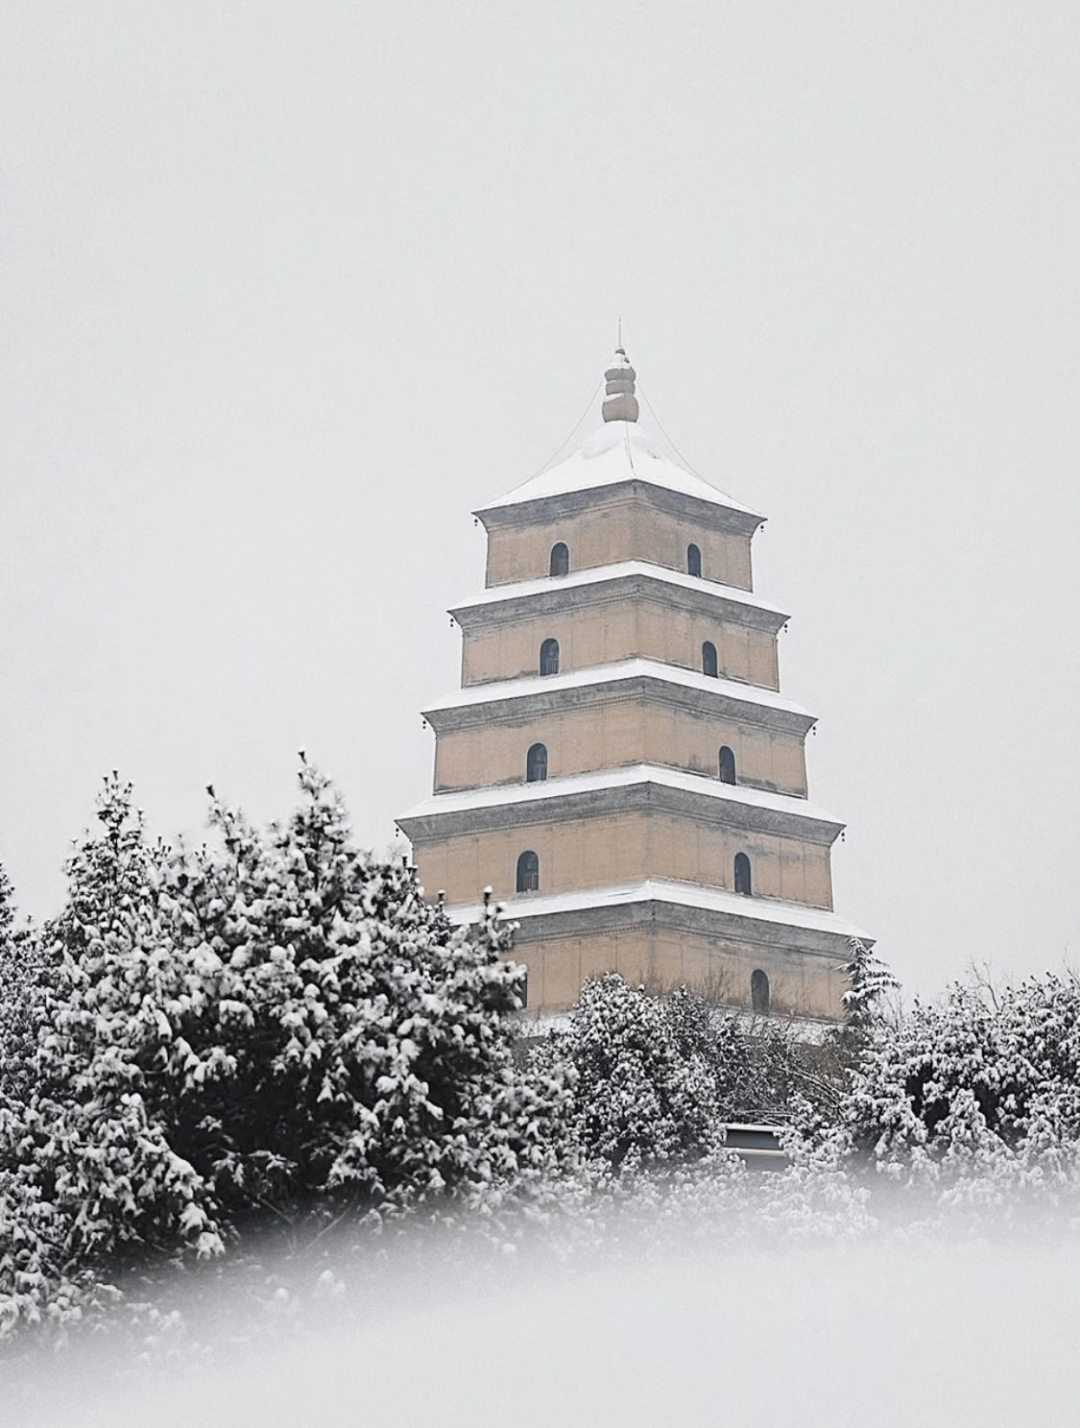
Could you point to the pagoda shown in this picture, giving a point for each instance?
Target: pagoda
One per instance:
(619, 766)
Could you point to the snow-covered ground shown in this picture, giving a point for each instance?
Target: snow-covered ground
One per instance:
(916, 1332)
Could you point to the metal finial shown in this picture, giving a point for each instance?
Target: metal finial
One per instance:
(620, 404)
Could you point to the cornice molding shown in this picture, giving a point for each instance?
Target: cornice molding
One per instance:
(628, 681)
(639, 788)
(542, 510)
(630, 580)
(683, 907)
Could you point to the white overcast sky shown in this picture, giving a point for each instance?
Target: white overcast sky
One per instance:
(289, 289)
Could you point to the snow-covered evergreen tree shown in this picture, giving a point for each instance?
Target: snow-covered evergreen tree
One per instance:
(342, 1040)
(275, 1028)
(88, 1179)
(7, 905)
(870, 985)
(643, 1087)
(974, 1096)
(23, 969)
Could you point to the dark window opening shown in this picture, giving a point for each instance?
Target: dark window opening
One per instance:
(549, 657)
(693, 560)
(521, 989)
(528, 873)
(742, 874)
(708, 659)
(536, 764)
(759, 992)
(727, 765)
(560, 559)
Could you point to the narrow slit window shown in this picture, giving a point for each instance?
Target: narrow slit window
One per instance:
(693, 560)
(560, 559)
(759, 992)
(549, 657)
(536, 764)
(521, 990)
(727, 765)
(528, 873)
(708, 659)
(743, 883)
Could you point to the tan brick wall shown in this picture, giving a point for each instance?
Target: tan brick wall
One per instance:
(615, 630)
(579, 854)
(615, 530)
(612, 735)
(661, 959)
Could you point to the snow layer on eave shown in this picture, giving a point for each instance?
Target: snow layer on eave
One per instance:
(616, 452)
(554, 788)
(596, 575)
(755, 909)
(496, 690)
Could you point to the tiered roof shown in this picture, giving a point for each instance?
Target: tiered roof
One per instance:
(616, 453)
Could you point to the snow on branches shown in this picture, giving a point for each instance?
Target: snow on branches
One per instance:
(275, 1026)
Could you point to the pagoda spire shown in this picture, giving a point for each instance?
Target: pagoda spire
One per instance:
(620, 403)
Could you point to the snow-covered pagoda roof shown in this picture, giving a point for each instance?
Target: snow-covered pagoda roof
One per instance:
(616, 453)
(763, 807)
(715, 689)
(604, 574)
(691, 896)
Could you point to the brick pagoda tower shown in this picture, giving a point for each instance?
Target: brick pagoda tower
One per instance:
(619, 764)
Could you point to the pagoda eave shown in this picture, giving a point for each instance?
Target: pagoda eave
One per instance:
(627, 680)
(709, 911)
(544, 509)
(632, 579)
(636, 789)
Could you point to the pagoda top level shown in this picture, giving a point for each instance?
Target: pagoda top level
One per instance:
(617, 453)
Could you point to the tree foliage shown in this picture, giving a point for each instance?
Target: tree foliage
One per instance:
(970, 1095)
(643, 1092)
(657, 1079)
(275, 1026)
(871, 984)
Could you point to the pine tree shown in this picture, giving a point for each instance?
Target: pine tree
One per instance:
(344, 1044)
(7, 906)
(88, 1179)
(870, 984)
(644, 1091)
(21, 974)
(275, 1028)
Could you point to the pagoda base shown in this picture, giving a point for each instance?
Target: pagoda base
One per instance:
(663, 935)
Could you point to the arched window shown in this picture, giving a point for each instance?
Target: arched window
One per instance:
(536, 764)
(528, 873)
(560, 559)
(742, 874)
(693, 560)
(727, 765)
(759, 992)
(549, 657)
(708, 658)
(521, 990)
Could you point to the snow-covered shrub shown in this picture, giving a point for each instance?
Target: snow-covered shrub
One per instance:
(644, 1093)
(657, 1079)
(974, 1098)
(766, 1071)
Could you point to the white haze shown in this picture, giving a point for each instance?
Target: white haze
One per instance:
(913, 1330)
